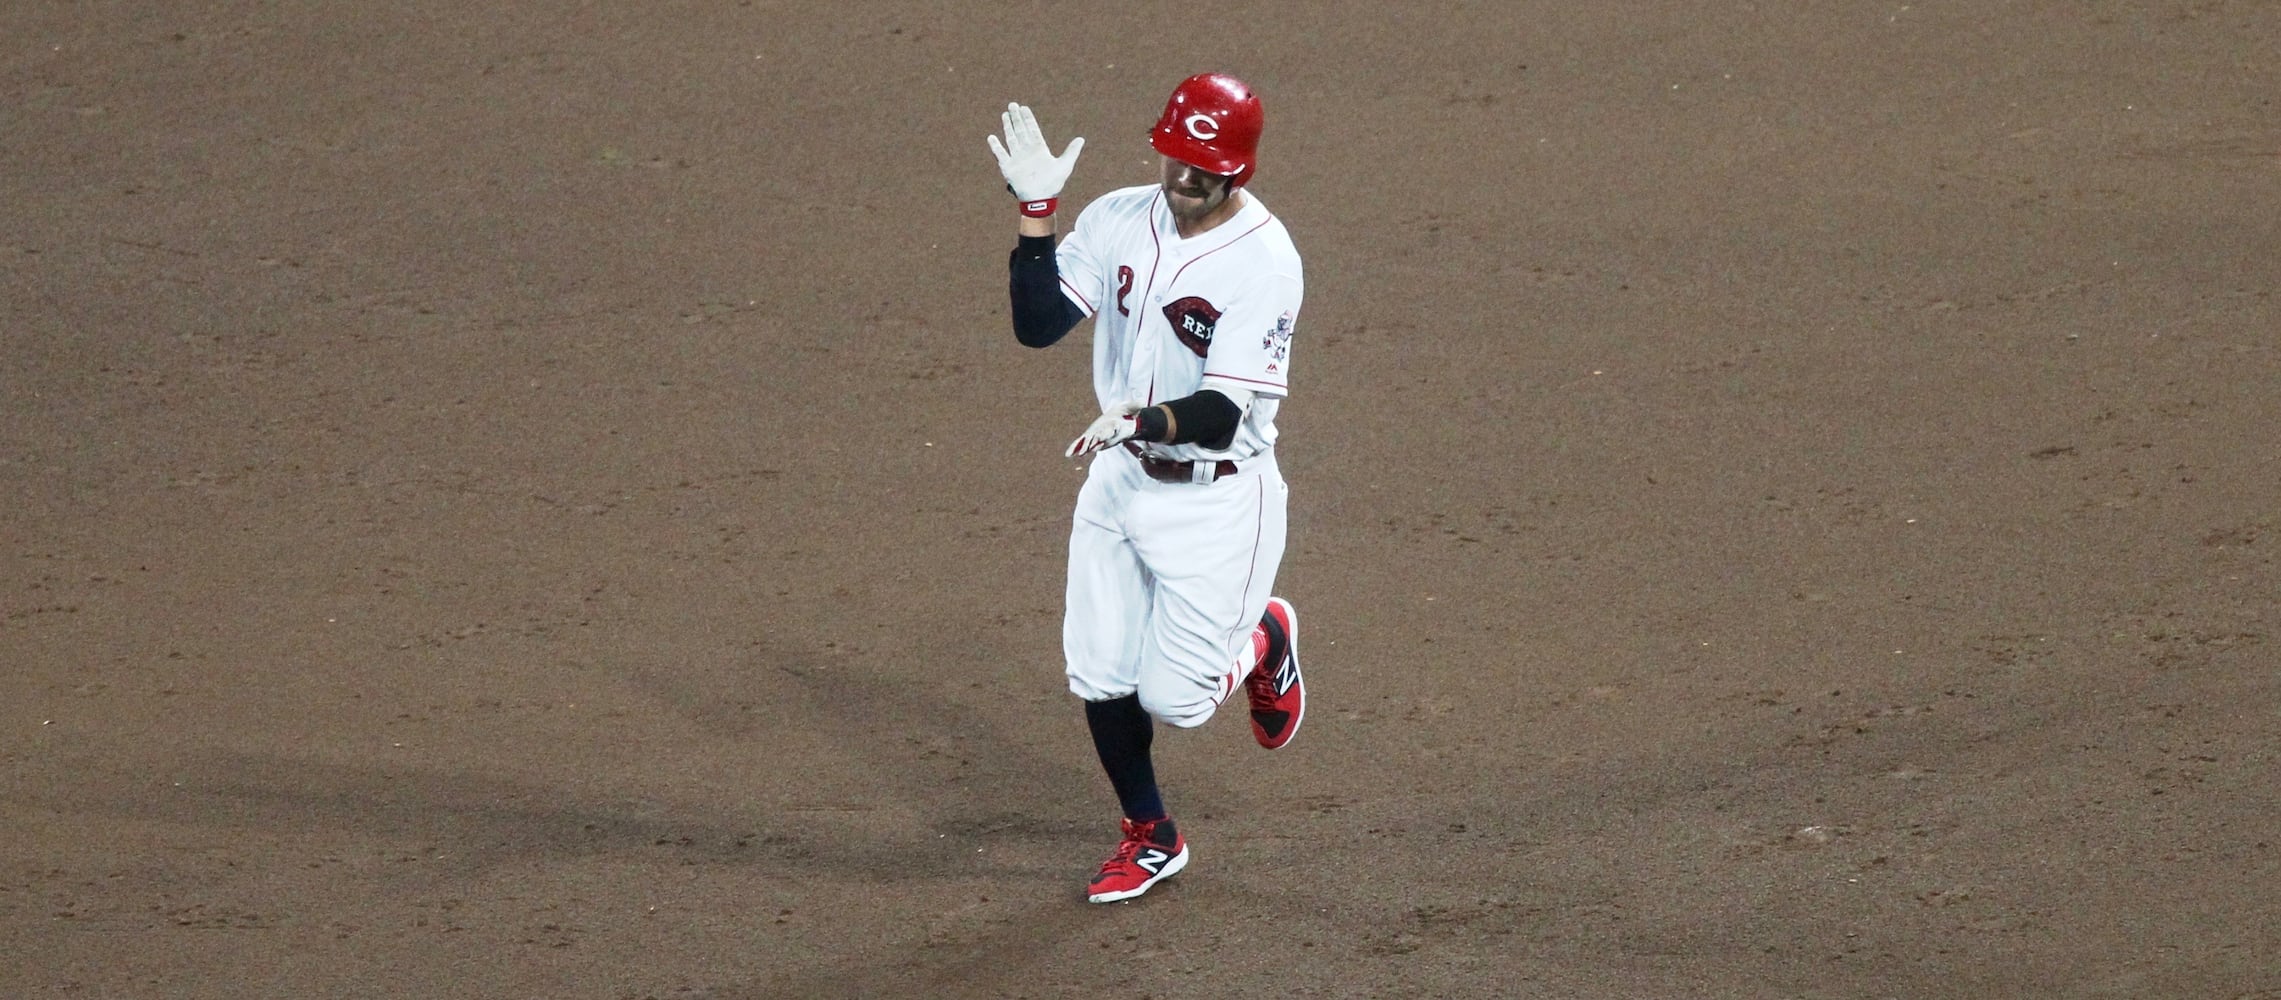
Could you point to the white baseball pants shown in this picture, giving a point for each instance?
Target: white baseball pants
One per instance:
(1166, 581)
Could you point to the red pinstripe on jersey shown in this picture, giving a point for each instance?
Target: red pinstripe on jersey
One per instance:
(1079, 296)
(1239, 236)
(1208, 373)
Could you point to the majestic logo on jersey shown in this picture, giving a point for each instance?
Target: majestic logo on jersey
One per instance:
(1202, 127)
(1192, 321)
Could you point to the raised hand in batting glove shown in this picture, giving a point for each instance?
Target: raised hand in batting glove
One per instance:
(1110, 430)
(1031, 169)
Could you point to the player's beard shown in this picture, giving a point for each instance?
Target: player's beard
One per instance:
(1194, 203)
(1193, 194)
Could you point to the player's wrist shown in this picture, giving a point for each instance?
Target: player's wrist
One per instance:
(1035, 208)
(1153, 425)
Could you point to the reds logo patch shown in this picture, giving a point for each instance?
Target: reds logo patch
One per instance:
(1192, 321)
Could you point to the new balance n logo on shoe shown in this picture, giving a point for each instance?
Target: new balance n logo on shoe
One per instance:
(1142, 859)
(1278, 691)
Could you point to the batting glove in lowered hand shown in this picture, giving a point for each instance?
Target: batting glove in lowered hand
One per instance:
(1031, 169)
(1110, 430)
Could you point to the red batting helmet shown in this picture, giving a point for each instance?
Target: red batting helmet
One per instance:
(1212, 122)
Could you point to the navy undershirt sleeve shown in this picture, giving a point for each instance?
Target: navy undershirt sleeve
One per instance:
(1042, 315)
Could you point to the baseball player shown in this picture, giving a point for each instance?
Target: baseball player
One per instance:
(1193, 287)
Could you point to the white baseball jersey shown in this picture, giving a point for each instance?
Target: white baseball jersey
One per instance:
(1169, 312)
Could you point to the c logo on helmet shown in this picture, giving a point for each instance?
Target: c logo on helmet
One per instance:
(1203, 127)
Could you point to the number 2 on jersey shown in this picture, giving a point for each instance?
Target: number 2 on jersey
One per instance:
(1124, 288)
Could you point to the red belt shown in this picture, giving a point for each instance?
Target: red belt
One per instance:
(1165, 470)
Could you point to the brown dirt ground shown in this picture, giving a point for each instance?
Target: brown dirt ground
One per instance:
(540, 500)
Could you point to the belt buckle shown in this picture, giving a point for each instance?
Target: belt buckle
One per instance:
(1163, 470)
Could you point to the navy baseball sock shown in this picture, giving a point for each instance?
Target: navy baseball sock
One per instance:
(1122, 732)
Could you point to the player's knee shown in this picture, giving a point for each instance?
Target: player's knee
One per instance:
(1182, 705)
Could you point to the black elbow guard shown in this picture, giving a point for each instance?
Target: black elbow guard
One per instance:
(1206, 418)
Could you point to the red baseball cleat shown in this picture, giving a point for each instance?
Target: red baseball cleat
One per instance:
(1151, 852)
(1278, 696)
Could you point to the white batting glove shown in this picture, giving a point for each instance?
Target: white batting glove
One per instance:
(1110, 430)
(1031, 169)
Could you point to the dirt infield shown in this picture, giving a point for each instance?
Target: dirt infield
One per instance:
(542, 500)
